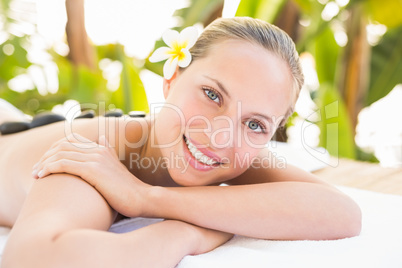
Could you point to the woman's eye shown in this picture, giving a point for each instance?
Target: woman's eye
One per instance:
(212, 95)
(255, 126)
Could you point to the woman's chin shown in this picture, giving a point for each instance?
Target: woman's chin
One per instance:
(186, 182)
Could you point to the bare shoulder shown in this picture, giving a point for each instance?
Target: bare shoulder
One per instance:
(122, 133)
(20, 151)
(266, 167)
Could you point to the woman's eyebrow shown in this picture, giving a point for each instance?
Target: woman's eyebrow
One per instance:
(219, 84)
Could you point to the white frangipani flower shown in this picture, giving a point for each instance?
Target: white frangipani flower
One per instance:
(178, 51)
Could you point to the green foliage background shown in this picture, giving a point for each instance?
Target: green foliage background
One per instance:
(318, 39)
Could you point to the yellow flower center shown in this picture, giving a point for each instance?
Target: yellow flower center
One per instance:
(176, 50)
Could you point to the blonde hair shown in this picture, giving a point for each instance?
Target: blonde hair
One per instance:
(261, 33)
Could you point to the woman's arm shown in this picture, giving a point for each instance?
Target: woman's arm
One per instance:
(278, 210)
(279, 203)
(265, 202)
(62, 225)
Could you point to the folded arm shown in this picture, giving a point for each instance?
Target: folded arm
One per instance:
(269, 203)
(276, 210)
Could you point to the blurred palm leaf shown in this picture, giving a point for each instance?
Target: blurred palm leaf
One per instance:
(199, 11)
(131, 90)
(266, 10)
(387, 12)
(386, 65)
(325, 51)
(88, 85)
(335, 127)
(15, 64)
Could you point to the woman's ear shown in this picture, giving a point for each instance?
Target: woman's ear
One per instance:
(167, 84)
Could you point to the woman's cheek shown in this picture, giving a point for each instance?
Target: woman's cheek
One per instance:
(255, 140)
(170, 118)
(241, 160)
(247, 147)
(194, 106)
(197, 115)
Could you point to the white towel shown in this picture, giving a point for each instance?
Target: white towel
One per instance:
(379, 244)
(3, 238)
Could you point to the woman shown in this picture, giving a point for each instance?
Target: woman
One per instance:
(220, 111)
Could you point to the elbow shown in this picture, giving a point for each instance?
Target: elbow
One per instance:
(32, 248)
(354, 222)
(349, 222)
(12, 256)
(19, 253)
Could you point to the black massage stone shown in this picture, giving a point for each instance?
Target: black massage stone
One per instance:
(115, 113)
(13, 127)
(86, 114)
(46, 118)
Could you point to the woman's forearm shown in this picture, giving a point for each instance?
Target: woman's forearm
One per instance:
(279, 210)
(162, 244)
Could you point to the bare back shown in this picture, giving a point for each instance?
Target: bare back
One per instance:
(20, 151)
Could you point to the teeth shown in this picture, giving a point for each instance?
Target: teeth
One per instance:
(198, 155)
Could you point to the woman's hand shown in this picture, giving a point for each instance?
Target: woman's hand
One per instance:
(99, 165)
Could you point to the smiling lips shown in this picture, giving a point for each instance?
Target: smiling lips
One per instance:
(199, 156)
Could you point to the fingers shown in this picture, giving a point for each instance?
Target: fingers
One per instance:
(66, 166)
(69, 143)
(103, 141)
(76, 139)
(68, 155)
(71, 153)
(66, 147)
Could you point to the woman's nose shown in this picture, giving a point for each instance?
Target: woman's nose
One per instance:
(222, 132)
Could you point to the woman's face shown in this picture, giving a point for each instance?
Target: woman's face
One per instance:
(221, 111)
